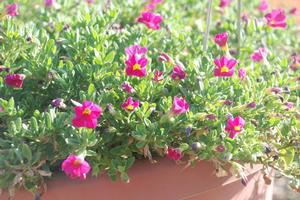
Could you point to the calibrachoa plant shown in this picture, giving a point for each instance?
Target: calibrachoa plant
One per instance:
(109, 82)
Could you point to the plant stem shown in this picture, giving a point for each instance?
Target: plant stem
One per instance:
(208, 19)
(239, 25)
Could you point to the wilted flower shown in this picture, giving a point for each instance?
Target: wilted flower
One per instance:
(251, 105)
(293, 11)
(178, 73)
(151, 20)
(130, 105)
(76, 167)
(221, 40)
(58, 103)
(263, 5)
(12, 10)
(179, 106)
(220, 148)
(188, 130)
(4, 69)
(242, 73)
(163, 57)
(158, 76)
(245, 17)
(174, 154)
(224, 3)
(86, 115)
(276, 90)
(49, 3)
(228, 102)
(90, 1)
(259, 55)
(211, 117)
(136, 50)
(127, 87)
(224, 66)
(289, 105)
(15, 80)
(235, 126)
(276, 19)
(136, 66)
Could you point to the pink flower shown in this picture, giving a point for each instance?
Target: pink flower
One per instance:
(158, 76)
(289, 105)
(174, 154)
(86, 115)
(163, 57)
(293, 11)
(130, 105)
(224, 66)
(179, 106)
(178, 73)
(245, 17)
(235, 126)
(259, 55)
(242, 73)
(135, 50)
(251, 105)
(263, 6)
(221, 40)
(90, 1)
(151, 20)
(220, 149)
(228, 102)
(224, 3)
(1, 110)
(276, 19)
(136, 66)
(127, 87)
(15, 80)
(76, 167)
(49, 3)
(12, 10)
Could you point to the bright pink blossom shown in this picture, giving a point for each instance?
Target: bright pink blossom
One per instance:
(135, 50)
(259, 55)
(276, 19)
(12, 10)
(127, 87)
(224, 66)
(174, 154)
(130, 105)
(49, 3)
(235, 126)
(158, 76)
(151, 20)
(242, 73)
(86, 115)
(179, 106)
(178, 73)
(224, 3)
(15, 80)
(76, 167)
(90, 1)
(263, 6)
(221, 40)
(163, 57)
(293, 11)
(136, 66)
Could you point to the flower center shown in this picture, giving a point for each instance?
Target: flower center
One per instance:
(129, 107)
(136, 67)
(224, 69)
(77, 163)
(86, 111)
(237, 128)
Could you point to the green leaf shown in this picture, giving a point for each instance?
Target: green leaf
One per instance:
(26, 152)
(110, 57)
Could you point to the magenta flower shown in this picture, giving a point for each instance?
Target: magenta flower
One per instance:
(293, 11)
(15, 80)
(174, 154)
(76, 167)
(179, 106)
(136, 66)
(12, 10)
(90, 1)
(263, 6)
(276, 19)
(135, 50)
(178, 73)
(245, 17)
(127, 87)
(158, 76)
(251, 105)
(49, 3)
(259, 55)
(151, 20)
(224, 3)
(86, 115)
(220, 148)
(58, 103)
(224, 66)
(130, 105)
(235, 126)
(228, 102)
(289, 105)
(242, 73)
(163, 57)
(221, 40)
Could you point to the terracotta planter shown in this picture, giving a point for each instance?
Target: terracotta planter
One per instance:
(162, 181)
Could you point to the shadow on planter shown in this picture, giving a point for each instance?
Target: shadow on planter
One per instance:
(161, 181)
